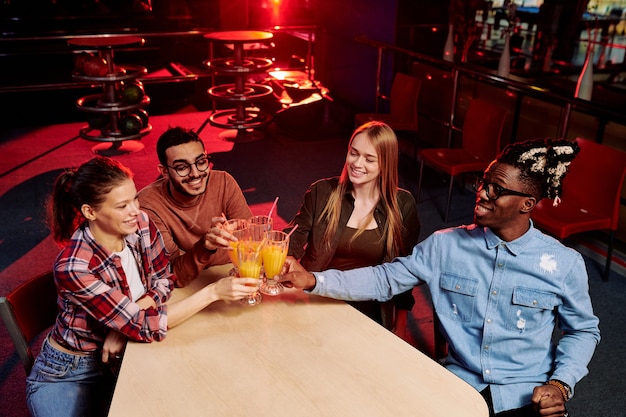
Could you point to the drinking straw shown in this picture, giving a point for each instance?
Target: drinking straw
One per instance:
(292, 230)
(273, 207)
(258, 249)
(222, 225)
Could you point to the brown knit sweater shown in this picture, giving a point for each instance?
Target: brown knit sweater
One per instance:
(183, 226)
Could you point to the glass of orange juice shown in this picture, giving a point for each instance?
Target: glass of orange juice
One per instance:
(258, 225)
(250, 260)
(274, 254)
(239, 229)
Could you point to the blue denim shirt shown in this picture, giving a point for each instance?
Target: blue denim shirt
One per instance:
(498, 303)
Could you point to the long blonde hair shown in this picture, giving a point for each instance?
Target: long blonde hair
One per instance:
(384, 140)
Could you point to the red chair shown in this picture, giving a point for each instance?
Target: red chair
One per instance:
(27, 311)
(403, 105)
(591, 196)
(482, 131)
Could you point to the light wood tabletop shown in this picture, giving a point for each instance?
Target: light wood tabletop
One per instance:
(293, 355)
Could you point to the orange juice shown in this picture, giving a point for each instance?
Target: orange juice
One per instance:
(274, 259)
(234, 254)
(249, 269)
(234, 258)
(250, 260)
(239, 229)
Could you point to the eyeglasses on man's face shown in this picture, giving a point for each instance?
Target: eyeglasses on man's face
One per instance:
(495, 191)
(183, 169)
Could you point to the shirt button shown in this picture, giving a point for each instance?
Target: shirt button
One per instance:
(534, 302)
(494, 292)
(457, 287)
(489, 321)
(487, 371)
(486, 347)
(500, 265)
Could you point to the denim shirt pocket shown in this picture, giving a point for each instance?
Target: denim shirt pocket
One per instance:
(529, 308)
(458, 297)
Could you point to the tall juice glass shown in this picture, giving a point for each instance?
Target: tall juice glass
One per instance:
(239, 229)
(258, 225)
(250, 261)
(274, 254)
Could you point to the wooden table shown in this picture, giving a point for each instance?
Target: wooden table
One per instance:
(292, 355)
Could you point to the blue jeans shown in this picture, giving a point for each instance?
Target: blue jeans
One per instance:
(66, 385)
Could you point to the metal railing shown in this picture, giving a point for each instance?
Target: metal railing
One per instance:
(521, 87)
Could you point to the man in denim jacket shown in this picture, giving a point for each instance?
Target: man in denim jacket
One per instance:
(499, 288)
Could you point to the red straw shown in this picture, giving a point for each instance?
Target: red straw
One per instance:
(292, 230)
(273, 207)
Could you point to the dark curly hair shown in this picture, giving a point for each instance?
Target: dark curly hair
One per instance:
(174, 136)
(543, 163)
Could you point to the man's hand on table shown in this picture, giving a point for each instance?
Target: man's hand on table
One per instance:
(296, 276)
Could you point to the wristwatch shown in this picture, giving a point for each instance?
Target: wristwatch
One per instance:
(566, 391)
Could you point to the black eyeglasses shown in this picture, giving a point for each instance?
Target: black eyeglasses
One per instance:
(494, 191)
(182, 169)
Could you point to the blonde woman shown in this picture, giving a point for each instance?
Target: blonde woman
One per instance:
(360, 218)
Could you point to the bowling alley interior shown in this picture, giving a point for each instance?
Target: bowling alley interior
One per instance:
(275, 89)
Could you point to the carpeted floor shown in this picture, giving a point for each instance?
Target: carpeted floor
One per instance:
(282, 164)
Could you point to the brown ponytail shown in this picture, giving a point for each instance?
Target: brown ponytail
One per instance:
(87, 184)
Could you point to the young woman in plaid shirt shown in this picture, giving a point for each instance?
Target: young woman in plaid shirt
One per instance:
(113, 280)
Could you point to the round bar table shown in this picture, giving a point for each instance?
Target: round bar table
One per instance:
(114, 141)
(242, 120)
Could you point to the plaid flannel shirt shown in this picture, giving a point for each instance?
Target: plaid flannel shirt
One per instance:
(94, 296)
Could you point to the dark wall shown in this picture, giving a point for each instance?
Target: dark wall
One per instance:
(416, 20)
(346, 67)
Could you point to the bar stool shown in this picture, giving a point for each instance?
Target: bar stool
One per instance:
(109, 103)
(242, 120)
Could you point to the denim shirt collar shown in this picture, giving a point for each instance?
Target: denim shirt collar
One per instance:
(516, 246)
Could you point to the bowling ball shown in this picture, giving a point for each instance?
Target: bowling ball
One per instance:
(95, 66)
(143, 115)
(130, 124)
(79, 61)
(133, 93)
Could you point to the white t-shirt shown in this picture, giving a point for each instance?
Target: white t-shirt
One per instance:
(131, 269)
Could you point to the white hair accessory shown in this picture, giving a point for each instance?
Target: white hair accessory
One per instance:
(546, 158)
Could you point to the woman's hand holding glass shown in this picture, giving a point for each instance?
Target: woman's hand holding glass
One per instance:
(249, 265)
(235, 288)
